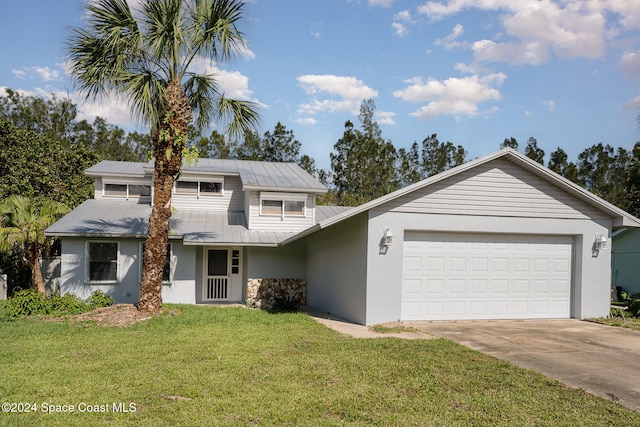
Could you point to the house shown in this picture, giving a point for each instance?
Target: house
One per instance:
(500, 237)
(625, 260)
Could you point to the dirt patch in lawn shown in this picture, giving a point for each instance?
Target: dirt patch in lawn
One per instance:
(120, 315)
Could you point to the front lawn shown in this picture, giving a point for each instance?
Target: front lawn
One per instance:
(233, 366)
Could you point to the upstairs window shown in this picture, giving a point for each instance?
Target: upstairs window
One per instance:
(126, 190)
(283, 204)
(199, 188)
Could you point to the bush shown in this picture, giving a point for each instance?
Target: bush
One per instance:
(100, 299)
(26, 303)
(30, 302)
(66, 304)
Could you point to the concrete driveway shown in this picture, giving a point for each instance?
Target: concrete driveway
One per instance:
(603, 360)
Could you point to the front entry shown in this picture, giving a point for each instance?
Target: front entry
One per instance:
(222, 281)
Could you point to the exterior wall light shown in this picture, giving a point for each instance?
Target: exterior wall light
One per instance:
(387, 237)
(601, 242)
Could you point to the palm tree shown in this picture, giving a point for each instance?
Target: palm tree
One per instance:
(146, 57)
(22, 224)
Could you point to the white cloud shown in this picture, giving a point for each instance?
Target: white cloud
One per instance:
(630, 64)
(513, 53)
(306, 121)
(385, 117)
(632, 104)
(453, 96)
(44, 73)
(400, 23)
(450, 41)
(21, 74)
(549, 103)
(340, 93)
(400, 29)
(232, 84)
(381, 3)
(569, 28)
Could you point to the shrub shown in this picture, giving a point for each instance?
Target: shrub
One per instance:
(26, 303)
(30, 302)
(100, 299)
(66, 304)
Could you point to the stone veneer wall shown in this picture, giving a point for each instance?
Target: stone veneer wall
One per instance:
(265, 293)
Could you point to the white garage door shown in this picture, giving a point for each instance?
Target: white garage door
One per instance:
(448, 276)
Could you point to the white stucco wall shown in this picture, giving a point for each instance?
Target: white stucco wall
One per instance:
(126, 290)
(591, 274)
(286, 262)
(337, 269)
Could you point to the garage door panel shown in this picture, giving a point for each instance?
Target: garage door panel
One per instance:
(486, 276)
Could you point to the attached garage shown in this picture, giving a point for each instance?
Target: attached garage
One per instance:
(500, 237)
(454, 276)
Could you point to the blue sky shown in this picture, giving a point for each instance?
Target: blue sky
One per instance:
(472, 71)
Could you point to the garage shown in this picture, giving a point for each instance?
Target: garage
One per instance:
(463, 276)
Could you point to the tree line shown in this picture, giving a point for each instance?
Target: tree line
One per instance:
(45, 149)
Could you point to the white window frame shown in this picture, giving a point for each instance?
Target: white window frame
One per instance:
(199, 193)
(126, 196)
(283, 198)
(169, 257)
(87, 250)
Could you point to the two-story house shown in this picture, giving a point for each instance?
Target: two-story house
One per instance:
(500, 237)
(228, 218)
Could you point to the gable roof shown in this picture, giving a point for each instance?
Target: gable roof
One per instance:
(621, 219)
(254, 175)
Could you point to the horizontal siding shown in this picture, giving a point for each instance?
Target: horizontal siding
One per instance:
(276, 223)
(497, 188)
(230, 200)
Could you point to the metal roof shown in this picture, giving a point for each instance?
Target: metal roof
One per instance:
(110, 218)
(326, 212)
(254, 175)
(114, 168)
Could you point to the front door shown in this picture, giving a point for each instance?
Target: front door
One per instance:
(222, 275)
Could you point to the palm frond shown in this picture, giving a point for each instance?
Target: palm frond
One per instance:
(215, 28)
(240, 116)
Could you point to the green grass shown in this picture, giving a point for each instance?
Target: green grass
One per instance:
(393, 329)
(628, 322)
(249, 367)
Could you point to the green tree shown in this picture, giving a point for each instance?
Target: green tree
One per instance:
(363, 163)
(39, 167)
(534, 152)
(603, 171)
(281, 145)
(22, 225)
(633, 181)
(215, 146)
(250, 148)
(439, 156)
(52, 118)
(409, 165)
(146, 58)
(510, 143)
(559, 163)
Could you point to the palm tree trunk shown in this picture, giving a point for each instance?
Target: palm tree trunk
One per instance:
(169, 141)
(36, 271)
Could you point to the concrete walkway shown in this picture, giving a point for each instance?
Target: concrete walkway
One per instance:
(603, 360)
(358, 331)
